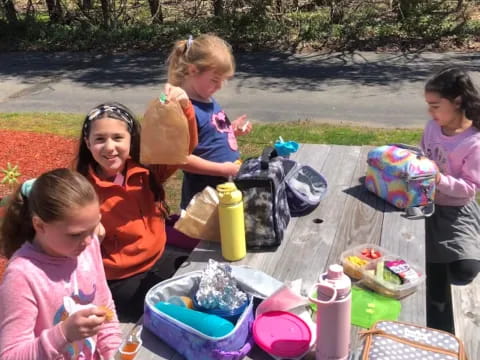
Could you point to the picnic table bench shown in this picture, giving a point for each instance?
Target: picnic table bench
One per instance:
(348, 216)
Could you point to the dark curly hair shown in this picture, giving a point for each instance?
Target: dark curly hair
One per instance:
(452, 83)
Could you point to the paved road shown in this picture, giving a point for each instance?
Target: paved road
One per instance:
(364, 88)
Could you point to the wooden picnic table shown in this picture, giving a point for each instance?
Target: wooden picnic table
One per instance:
(348, 216)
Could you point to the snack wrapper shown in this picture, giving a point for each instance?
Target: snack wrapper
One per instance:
(402, 269)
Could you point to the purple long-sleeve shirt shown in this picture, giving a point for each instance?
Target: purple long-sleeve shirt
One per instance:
(458, 158)
(36, 294)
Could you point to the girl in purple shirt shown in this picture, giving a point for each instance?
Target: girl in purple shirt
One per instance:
(452, 140)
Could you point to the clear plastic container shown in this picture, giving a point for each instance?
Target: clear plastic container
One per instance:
(374, 265)
(355, 270)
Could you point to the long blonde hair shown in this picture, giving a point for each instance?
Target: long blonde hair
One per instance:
(206, 52)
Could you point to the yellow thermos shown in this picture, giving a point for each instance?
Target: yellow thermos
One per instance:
(232, 223)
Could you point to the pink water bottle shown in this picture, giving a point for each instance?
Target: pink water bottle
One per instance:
(334, 301)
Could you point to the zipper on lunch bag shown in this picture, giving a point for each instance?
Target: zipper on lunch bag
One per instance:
(419, 344)
(419, 177)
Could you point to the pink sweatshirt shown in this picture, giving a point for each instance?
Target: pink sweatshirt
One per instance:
(36, 294)
(458, 158)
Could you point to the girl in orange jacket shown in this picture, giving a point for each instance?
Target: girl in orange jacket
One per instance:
(132, 203)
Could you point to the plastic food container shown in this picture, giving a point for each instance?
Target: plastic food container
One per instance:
(231, 315)
(282, 334)
(382, 270)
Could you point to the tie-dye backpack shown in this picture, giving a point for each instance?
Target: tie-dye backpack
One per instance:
(404, 177)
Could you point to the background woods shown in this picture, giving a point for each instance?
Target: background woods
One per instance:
(247, 24)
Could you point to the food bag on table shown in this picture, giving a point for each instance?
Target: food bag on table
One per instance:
(200, 218)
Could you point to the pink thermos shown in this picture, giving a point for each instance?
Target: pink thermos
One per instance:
(334, 302)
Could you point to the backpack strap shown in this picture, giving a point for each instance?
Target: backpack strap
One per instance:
(419, 212)
(267, 154)
(414, 149)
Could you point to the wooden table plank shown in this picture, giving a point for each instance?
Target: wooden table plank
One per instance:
(466, 309)
(406, 238)
(307, 237)
(363, 216)
(349, 215)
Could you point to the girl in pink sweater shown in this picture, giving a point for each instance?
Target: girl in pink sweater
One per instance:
(55, 302)
(452, 140)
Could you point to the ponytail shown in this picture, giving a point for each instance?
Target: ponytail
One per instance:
(16, 227)
(471, 105)
(177, 66)
(451, 83)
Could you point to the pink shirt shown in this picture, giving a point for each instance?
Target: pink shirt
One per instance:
(458, 158)
(35, 294)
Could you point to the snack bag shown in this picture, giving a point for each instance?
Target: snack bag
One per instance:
(165, 133)
(200, 219)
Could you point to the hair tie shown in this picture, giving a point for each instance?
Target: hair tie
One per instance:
(189, 41)
(26, 188)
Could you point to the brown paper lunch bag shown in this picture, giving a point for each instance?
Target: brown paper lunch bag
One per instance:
(165, 137)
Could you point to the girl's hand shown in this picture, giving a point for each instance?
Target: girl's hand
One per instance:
(100, 232)
(175, 93)
(84, 323)
(438, 174)
(230, 169)
(241, 126)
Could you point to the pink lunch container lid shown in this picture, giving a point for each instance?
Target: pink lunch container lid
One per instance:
(282, 334)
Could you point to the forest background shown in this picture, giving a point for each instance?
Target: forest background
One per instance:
(291, 25)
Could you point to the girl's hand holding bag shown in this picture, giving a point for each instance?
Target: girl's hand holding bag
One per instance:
(166, 134)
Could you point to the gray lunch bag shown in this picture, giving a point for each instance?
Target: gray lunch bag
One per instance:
(305, 187)
(262, 182)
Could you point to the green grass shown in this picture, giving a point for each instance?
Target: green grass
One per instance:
(251, 145)
(51, 123)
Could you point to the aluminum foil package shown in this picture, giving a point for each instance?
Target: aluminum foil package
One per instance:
(218, 289)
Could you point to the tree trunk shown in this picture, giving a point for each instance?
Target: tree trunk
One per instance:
(156, 11)
(55, 11)
(459, 4)
(406, 7)
(218, 7)
(10, 11)
(105, 13)
(337, 11)
(278, 6)
(86, 4)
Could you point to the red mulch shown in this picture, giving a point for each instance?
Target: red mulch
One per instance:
(34, 154)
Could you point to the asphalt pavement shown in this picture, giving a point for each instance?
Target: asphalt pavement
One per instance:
(364, 88)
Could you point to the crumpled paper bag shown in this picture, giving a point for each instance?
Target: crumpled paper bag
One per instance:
(200, 218)
(165, 136)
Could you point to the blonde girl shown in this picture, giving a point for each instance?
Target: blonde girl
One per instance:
(201, 66)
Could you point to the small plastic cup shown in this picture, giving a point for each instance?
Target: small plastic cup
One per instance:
(129, 350)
